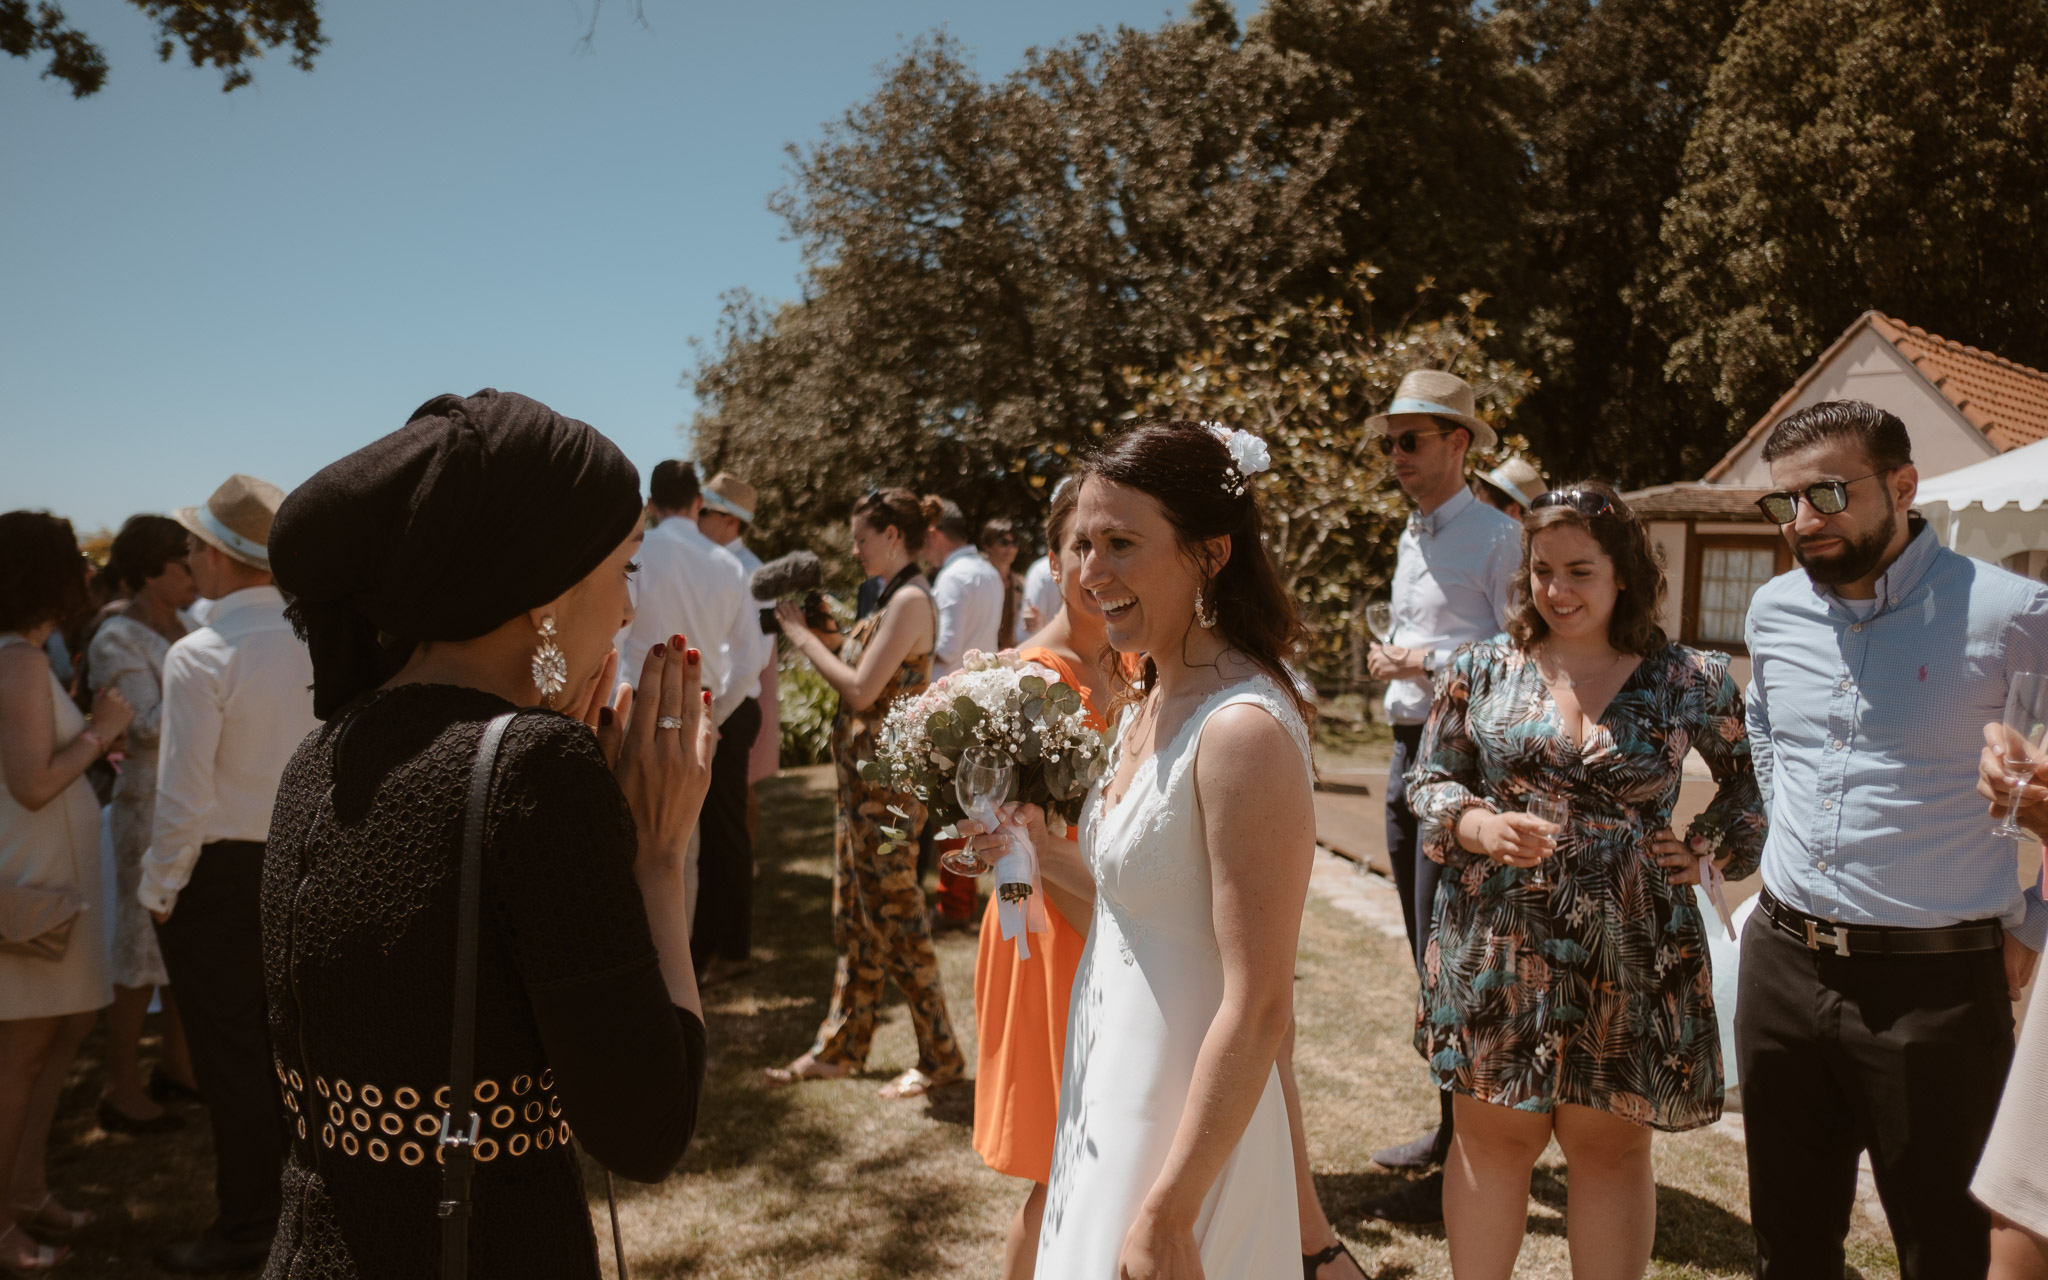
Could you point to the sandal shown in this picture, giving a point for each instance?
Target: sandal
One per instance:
(50, 1218)
(37, 1259)
(1313, 1262)
(806, 1068)
(912, 1084)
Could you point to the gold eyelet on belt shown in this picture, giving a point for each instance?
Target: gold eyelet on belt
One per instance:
(487, 1084)
(335, 1115)
(392, 1123)
(440, 1153)
(380, 1150)
(554, 1106)
(342, 1091)
(350, 1143)
(544, 1139)
(278, 1067)
(441, 1098)
(518, 1144)
(291, 1100)
(564, 1133)
(302, 1126)
(503, 1116)
(426, 1125)
(486, 1150)
(372, 1096)
(360, 1119)
(520, 1085)
(326, 1135)
(320, 1085)
(547, 1078)
(411, 1153)
(298, 1082)
(534, 1111)
(406, 1097)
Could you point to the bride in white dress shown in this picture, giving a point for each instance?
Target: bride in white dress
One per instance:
(1173, 1157)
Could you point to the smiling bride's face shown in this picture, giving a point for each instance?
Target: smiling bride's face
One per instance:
(1132, 565)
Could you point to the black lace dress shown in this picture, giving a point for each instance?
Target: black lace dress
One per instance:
(576, 1035)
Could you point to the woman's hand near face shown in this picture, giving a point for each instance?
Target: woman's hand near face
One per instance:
(665, 773)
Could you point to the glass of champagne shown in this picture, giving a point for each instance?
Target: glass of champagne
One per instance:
(1379, 619)
(1557, 813)
(2026, 740)
(981, 781)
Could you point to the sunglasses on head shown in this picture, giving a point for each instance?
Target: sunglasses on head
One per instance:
(1829, 497)
(1406, 442)
(1586, 502)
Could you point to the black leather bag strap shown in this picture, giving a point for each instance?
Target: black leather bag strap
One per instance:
(458, 1137)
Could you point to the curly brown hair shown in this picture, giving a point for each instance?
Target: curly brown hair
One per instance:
(1638, 570)
(42, 572)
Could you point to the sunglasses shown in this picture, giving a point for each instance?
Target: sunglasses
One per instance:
(1407, 442)
(1829, 497)
(1584, 501)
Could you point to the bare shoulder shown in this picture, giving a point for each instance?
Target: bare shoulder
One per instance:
(1246, 748)
(21, 661)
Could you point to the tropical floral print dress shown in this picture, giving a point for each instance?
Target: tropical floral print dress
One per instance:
(1593, 989)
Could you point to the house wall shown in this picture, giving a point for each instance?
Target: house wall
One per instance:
(1870, 369)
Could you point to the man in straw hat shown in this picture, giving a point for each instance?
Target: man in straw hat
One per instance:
(721, 935)
(237, 702)
(1510, 487)
(1453, 584)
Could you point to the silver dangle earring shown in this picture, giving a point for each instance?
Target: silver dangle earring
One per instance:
(550, 664)
(1204, 613)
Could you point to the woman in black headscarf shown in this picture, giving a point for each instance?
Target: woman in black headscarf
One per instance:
(470, 564)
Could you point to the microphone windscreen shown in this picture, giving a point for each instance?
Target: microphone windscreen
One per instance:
(787, 575)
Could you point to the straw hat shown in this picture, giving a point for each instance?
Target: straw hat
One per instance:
(236, 520)
(1440, 395)
(735, 497)
(1517, 479)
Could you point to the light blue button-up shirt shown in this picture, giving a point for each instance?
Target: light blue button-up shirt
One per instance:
(1866, 729)
(1454, 582)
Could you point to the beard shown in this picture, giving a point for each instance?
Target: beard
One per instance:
(1858, 557)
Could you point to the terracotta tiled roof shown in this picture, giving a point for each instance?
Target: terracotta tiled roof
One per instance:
(2008, 402)
(1691, 500)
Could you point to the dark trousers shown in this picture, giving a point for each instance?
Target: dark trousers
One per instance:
(1903, 1056)
(723, 925)
(1415, 875)
(213, 952)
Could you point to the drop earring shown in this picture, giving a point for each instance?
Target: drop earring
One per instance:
(1204, 612)
(550, 664)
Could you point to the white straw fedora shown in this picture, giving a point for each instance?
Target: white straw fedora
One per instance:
(728, 493)
(1517, 479)
(236, 520)
(1440, 395)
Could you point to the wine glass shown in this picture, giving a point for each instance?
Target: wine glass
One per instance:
(1379, 619)
(2026, 736)
(1557, 813)
(981, 781)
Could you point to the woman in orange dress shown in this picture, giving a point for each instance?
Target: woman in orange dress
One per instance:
(1020, 1006)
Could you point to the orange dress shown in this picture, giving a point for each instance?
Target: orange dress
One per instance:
(1020, 1011)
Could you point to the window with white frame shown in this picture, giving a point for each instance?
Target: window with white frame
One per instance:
(1729, 576)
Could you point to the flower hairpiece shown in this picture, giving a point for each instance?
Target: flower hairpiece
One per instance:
(1248, 455)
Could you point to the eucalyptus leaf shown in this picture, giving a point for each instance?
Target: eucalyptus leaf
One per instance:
(1032, 685)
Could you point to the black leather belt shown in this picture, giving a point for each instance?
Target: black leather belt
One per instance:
(1875, 940)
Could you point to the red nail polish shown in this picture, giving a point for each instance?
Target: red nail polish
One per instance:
(676, 641)
(693, 656)
(604, 716)
(707, 697)
(655, 652)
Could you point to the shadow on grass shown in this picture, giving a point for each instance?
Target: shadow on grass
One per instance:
(1691, 1230)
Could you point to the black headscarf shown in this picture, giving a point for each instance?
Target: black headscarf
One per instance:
(475, 511)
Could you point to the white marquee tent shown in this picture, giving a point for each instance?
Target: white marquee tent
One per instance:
(1994, 509)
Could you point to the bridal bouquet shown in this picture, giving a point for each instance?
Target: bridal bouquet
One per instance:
(998, 729)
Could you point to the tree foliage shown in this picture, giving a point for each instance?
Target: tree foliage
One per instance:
(225, 34)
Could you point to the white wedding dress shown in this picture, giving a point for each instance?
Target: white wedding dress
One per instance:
(1149, 985)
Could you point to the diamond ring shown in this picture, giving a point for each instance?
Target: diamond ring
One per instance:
(668, 722)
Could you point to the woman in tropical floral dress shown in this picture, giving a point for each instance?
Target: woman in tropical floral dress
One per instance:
(1567, 990)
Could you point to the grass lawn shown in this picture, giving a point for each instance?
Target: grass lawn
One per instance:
(826, 1180)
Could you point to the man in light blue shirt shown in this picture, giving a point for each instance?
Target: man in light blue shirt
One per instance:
(1873, 1008)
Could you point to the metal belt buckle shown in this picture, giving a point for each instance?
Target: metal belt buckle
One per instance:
(476, 1123)
(1838, 940)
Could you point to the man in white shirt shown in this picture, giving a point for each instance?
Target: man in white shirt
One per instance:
(1041, 596)
(1454, 582)
(237, 702)
(721, 931)
(690, 586)
(968, 593)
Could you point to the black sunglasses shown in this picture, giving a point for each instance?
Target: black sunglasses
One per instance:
(1408, 442)
(1829, 497)
(1586, 502)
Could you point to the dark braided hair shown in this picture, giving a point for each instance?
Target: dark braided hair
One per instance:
(1187, 471)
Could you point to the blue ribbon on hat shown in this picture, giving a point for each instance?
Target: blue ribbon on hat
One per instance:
(234, 541)
(728, 506)
(1407, 404)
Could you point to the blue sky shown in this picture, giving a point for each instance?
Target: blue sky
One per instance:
(199, 283)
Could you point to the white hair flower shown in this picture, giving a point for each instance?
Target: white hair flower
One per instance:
(1248, 454)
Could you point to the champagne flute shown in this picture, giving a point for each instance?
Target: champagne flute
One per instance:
(981, 781)
(2026, 737)
(1557, 813)
(1379, 619)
